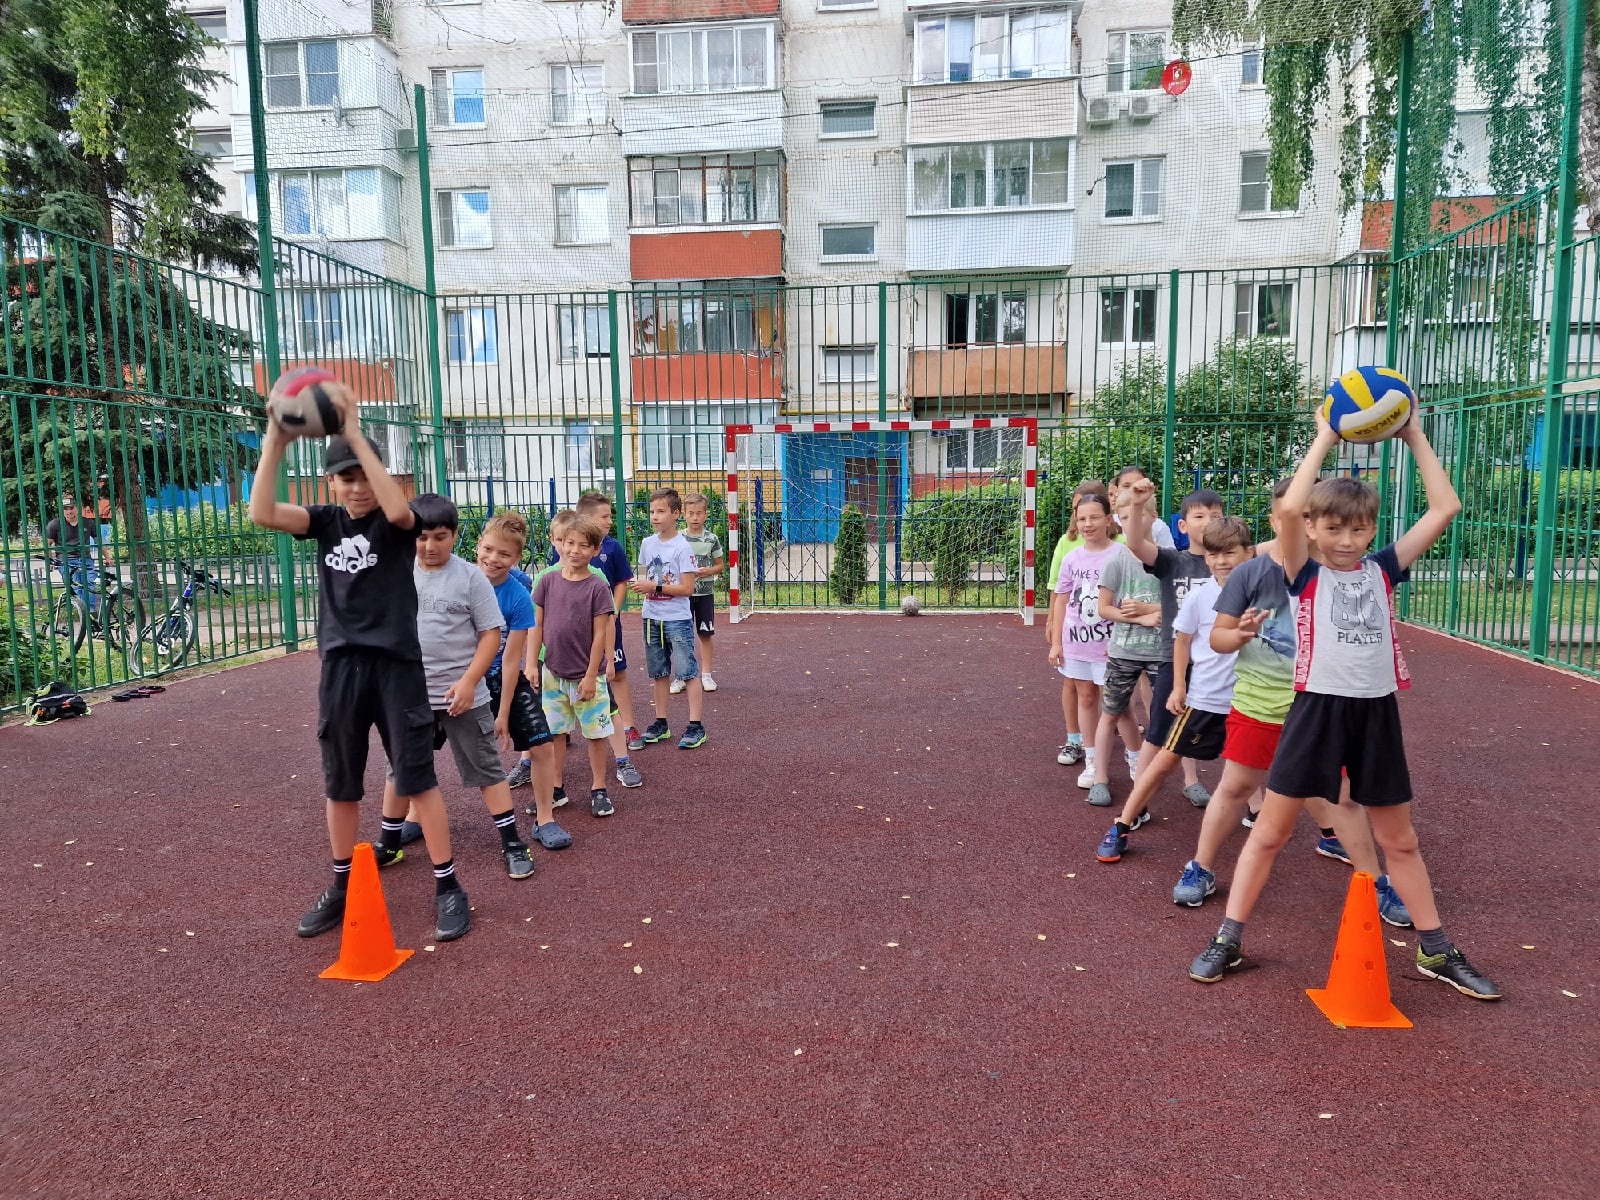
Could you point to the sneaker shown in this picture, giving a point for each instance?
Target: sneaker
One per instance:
(600, 803)
(327, 912)
(1086, 776)
(708, 683)
(1113, 846)
(628, 775)
(1194, 885)
(1197, 795)
(677, 687)
(1453, 968)
(551, 836)
(1215, 960)
(1100, 795)
(519, 864)
(1390, 907)
(521, 774)
(1141, 820)
(657, 731)
(1249, 818)
(1133, 764)
(410, 831)
(386, 858)
(1331, 848)
(558, 798)
(631, 736)
(453, 915)
(693, 735)
(1070, 754)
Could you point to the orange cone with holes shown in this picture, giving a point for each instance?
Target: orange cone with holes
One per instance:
(1357, 995)
(366, 947)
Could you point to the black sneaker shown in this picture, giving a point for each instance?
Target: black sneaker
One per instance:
(600, 803)
(1453, 968)
(658, 731)
(558, 797)
(1215, 960)
(519, 864)
(385, 857)
(520, 775)
(327, 912)
(454, 915)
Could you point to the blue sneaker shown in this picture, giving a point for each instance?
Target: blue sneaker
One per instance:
(1331, 848)
(1390, 907)
(1113, 846)
(1196, 884)
(694, 735)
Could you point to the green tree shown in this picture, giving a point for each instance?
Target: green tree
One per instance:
(848, 575)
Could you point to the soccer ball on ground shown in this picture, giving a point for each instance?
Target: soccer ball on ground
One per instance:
(910, 606)
(1369, 404)
(302, 403)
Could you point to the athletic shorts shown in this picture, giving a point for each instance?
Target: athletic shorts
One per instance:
(1251, 743)
(527, 726)
(703, 612)
(363, 688)
(669, 649)
(1196, 734)
(566, 712)
(619, 656)
(1078, 668)
(1323, 734)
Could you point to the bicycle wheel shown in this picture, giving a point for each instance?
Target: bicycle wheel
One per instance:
(168, 639)
(121, 618)
(64, 623)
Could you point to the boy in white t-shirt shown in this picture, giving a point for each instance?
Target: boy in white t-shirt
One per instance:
(667, 571)
(1202, 682)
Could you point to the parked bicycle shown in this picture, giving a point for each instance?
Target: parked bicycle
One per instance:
(170, 638)
(94, 602)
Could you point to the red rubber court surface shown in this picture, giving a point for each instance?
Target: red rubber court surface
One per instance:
(857, 946)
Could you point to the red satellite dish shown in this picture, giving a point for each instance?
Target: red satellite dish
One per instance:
(1175, 78)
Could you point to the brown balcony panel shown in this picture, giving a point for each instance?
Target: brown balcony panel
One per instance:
(707, 254)
(708, 376)
(978, 371)
(646, 12)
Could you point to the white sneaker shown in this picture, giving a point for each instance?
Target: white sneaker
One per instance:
(677, 686)
(707, 682)
(1086, 779)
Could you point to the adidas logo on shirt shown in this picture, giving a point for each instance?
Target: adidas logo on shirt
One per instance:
(352, 554)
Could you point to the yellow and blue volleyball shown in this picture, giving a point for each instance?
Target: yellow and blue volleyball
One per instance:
(1368, 404)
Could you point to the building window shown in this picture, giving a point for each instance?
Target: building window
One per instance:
(585, 331)
(982, 449)
(844, 364)
(849, 241)
(985, 318)
(1027, 44)
(1127, 315)
(849, 118)
(1472, 278)
(676, 436)
(581, 218)
(1133, 189)
(458, 96)
(724, 58)
(464, 219)
(477, 448)
(302, 74)
(989, 175)
(713, 317)
(1252, 65)
(825, 5)
(590, 448)
(1263, 309)
(714, 189)
(363, 203)
(1135, 60)
(213, 23)
(1255, 188)
(577, 94)
(214, 143)
(312, 321)
(471, 336)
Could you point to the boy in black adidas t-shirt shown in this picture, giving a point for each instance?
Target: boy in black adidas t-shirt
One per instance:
(371, 659)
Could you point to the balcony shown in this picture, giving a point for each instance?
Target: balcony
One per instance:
(702, 122)
(1008, 239)
(644, 12)
(984, 372)
(994, 111)
(745, 252)
(707, 375)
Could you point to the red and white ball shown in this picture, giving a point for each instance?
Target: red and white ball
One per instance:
(303, 403)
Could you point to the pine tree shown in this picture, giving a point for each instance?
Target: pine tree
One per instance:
(848, 575)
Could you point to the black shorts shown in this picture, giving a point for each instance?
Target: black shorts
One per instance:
(1195, 733)
(363, 688)
(1161, 720)
(703, 612)
(527, 726)
(619, 656)
(1324, 735)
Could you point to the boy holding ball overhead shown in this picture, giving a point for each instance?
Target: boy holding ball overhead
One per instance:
(372, 670)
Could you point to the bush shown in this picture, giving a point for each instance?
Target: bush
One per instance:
(27, 664)
(847, 578)
(957, 528)
(638, 523)
(203, 532)
(475, 516)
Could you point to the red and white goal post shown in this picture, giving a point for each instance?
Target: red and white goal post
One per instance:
(1030, 482)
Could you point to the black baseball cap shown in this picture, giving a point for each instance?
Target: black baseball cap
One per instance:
(341, 455)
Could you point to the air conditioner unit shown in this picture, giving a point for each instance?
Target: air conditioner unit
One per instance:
(405, 139)
(1142, 108)
(1101, 112)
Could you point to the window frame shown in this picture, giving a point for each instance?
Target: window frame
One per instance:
(968, 440)
(579, 343)
(1006, 303)
(583, 98)
(302, 76)
(841, 103)
(447, 215)
(573, 216)
(1004, 67)
(1253, 50)
(864, 256)
(386, 190)
(1138, 307)
(716, 316)
(442, 86)
(763, 186)
(920, 154)
(1121, 66)
(832, 355)
(1270, 210)
(466, 438)
(212, 15)
(692, 419)
(1250, 307)
(219, 134)
(489, 342)
(700, 66)
(588, 447)
(1141, 169)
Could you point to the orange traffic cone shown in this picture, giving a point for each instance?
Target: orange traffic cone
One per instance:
(1357, 995)
(366, 948)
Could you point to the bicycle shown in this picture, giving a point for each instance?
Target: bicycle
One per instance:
(171, 637)
(114, 616)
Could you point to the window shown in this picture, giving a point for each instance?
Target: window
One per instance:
(213, 23)
(825, 5)
(458, 96)
(1263, 309)
(470, 336)
(724, 58)
(1134, 61)
(302, 74)
(477, 448)
(581, 218)
(590, 448)
(1252, 65)
(849, 241)
(985, 318)
(684, 436)
(841, 364)
(464, 219)
(362, 203)
(849, 118)
(1472, 283)
(715, 189)
(992, 175)
(1025, 44)
(312, 320)
(1255, 189)
(217, 143)
(714, 317)
(1127, 315)
(393, 427)
(585, 331)
(577, 94)
(1133, 189)
(982, 449)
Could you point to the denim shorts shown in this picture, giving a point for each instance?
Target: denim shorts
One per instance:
(669, 649)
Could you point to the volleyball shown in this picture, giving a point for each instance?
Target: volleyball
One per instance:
(1368, 404)
(302, 403)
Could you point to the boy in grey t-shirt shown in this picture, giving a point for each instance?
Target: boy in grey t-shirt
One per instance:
(1131, 599)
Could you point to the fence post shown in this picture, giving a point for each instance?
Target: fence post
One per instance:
(1170, 425)
(883, 445)
(1544, 558)
(756, 540)
(419, 99)
(618, 484)
(1397, 239)
(272, 361)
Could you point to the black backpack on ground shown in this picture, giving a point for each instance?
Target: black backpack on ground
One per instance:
(56, 702)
